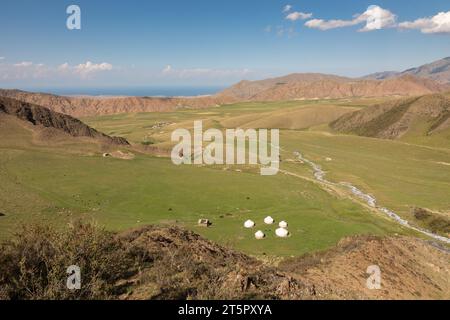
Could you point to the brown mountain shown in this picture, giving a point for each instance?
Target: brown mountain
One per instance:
(393, 119)
(317, 86)
(44, 117)
(247, 90)
(291, 87)
(89, 106)
(438, 71)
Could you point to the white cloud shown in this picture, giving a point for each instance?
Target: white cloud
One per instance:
(287, 8)
(378, 18)
(2, 58)
(281, 31)
(374, 17)
(169, 71)
(28, 72)
(85, 69)
(439, 23)
(24, 64)
(294, 16)
(329, 24)
(24, 70)
(64, 67)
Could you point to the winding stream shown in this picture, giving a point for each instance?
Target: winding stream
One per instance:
(319, 174)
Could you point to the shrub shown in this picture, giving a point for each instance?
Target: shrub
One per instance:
(33, 265)
(148, 141)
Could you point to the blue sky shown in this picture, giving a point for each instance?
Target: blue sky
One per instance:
(199, 42)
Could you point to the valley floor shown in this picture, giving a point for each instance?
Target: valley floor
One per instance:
(43, 183)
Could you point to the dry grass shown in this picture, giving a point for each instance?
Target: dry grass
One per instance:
(33, 265)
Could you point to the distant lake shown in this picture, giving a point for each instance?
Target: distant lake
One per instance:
(132, 91)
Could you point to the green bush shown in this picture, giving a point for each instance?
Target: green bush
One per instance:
(148, 141)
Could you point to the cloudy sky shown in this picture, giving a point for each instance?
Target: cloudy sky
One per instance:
(206, 42)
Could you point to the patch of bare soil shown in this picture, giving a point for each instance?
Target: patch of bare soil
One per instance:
(122, 155)
(410, 269)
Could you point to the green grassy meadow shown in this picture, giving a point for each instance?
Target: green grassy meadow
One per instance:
(53, 185)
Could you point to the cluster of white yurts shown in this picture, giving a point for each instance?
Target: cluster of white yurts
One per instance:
(281, 232)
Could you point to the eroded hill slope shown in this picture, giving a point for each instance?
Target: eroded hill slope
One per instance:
(90, 106)
(314, 86)
(44, 117)
(392, 120)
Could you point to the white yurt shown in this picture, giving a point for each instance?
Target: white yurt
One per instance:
(283, 224)
(281, 233)
(249, 224)
(260, 235)
(269, 220)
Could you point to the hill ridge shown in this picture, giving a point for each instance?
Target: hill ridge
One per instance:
(438, 71)
(392, 120)
(321, 86)
(38, 115)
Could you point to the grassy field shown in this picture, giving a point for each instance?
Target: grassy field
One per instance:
(55, 185)
(297, 115)
(400, 175)
(122, 194)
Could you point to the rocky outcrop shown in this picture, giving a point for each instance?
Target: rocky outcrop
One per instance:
(40, 116)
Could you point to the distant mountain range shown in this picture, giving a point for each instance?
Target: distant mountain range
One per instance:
(438, 71)
(426, 79)
(430, 78)
(321, 86)
(91, 106)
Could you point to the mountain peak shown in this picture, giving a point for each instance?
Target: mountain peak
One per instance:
(438, 71)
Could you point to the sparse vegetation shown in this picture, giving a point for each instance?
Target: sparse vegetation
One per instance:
(437, 223)
(148, 141)
(33, 264)
(171, 263)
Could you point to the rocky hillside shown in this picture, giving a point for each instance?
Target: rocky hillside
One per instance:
(316, 86)
(40, 116)
(410, 269)
(90, 106)
(438, 71)
(155, 262)
(394, 119)
(247, 90)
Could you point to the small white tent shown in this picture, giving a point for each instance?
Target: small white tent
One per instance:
(281, 232)
(269, 220)
(283, 224)
(249, 224)
(260, 235)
